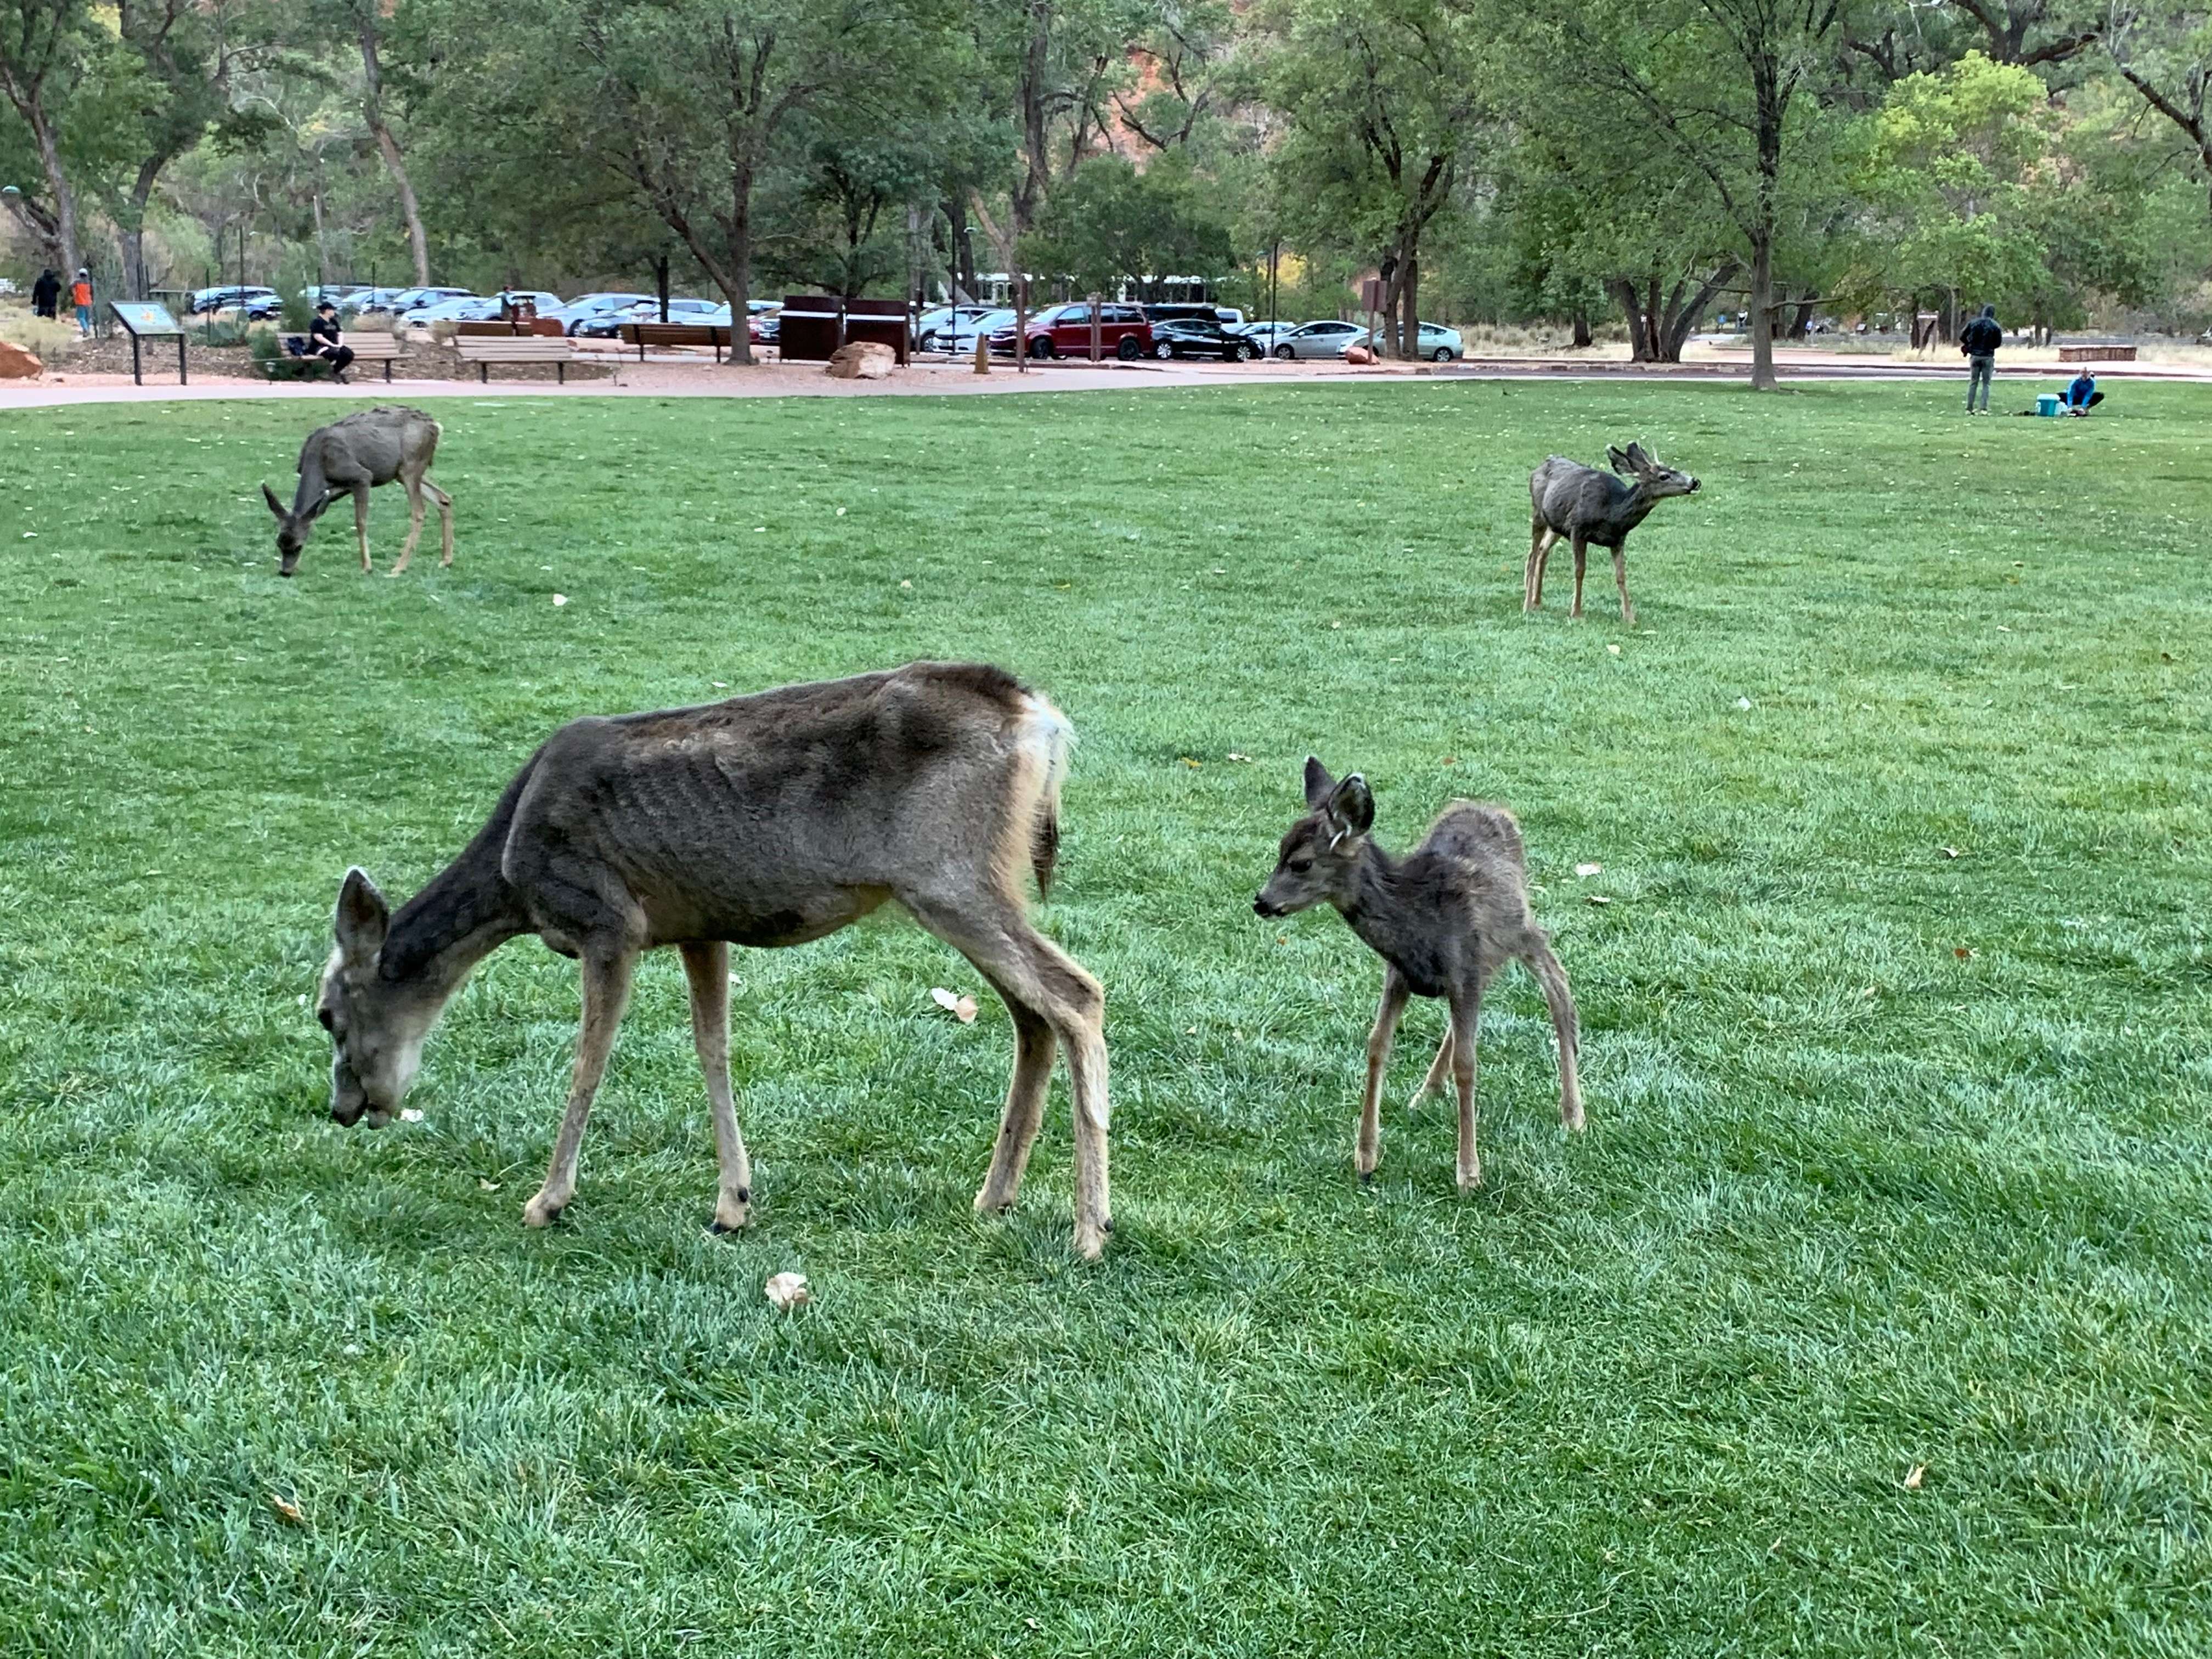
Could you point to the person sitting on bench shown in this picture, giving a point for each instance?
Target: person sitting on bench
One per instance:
(2080, 395)
(324, 333)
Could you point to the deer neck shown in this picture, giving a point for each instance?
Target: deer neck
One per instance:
(466, 912)
(314, 489)
(1377, 911)
(1635, 508)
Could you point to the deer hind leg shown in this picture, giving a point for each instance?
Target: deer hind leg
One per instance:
(1467, 1021)
(1439, 1069)
(1582, 558)
(361, 524)
(606, 993)
(1367, 1152)
(415, 510)
(706, 967)
(1566, 1026)
(993, 933)
(1532, 574)
(445, 519)
(1034, 1048)
(1620, 581)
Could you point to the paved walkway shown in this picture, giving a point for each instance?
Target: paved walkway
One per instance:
(671, 375)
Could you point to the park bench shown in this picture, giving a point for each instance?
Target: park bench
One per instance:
(643, 335)
(494, 330)
(485, 350)
(376, 347)
(2097, 353)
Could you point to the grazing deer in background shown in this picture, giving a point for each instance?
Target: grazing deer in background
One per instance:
(354, 455)
(765, 820)
(1584, 505)
(1444, 920)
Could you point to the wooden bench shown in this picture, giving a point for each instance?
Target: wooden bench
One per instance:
(485, 350)
(544, 326)
(372, 348)
(643, 335)
(2097, 353)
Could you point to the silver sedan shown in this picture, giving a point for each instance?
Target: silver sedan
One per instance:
(1321, 339)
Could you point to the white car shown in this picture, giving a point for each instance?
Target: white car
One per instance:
(961, 338)
(1327, 338)
(585, 306)
(1438, 344)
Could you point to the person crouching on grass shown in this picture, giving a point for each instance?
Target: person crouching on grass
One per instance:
(2082, 395)
(324, 333)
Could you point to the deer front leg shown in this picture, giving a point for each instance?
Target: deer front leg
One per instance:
(1369, 1151)
(1467, 1021)
(361, 524)
(606, 993)
(706, 967)
(415, 510)
(1620, 581)
(1582, 558)
(1034, 1048)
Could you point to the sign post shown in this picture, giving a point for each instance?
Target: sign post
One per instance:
(144, 320)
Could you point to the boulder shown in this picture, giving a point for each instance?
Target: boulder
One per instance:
(1358, 354)
(862, 360)
(17, 362)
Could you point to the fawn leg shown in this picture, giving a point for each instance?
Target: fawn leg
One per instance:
(415, 507)
(1033, 1046)
(707, 968)
(1532, 574)
(1566, 1026)
(1620, 580)
(606, 993)
(1439, 1069)
(361, 524)
(1581, 557)
(1467, 1021)
(1369, 1151)
(445, 518)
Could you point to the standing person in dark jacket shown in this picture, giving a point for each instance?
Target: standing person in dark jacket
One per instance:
(324, 331)
(46, 295)
(1979, 340)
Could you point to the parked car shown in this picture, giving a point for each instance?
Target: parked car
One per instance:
(1324, 338)
(369, 302)
(608, 324)
(409, 301)
(934, 328)
(463, 308)
(1165, 311)
(963, 334)
(585, 305)
(1437, 343)
(1064, 332)
(764, 327)
(1201, 337)
(256, 302)
(337, 293)
(1266, 336)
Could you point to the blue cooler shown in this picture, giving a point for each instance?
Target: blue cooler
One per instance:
(2048, 402)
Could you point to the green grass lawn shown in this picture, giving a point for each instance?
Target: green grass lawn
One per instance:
(1896, 1036)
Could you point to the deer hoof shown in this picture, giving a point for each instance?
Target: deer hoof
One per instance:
(541, 1211)
(1470, 1182)
(1091, 1243)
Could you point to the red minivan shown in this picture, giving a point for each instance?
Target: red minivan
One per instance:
(1064, 332)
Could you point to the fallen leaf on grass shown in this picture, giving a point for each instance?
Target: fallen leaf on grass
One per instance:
(1591, 868)
(410, 1115)
(1598, 898)
(483, 1186)
(1234, 756)
(1613, 650)
(1188, 762)
(1870, 991)
(1913, 1476)
(1743, 702)
(287, 1508)
(560, 599)
(1953, 853)
(786, 1291)
(961, 1008)
(1965, 953)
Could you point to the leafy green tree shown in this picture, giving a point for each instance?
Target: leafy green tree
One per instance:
(2165, 52)
(1113, 222)
(45, 47)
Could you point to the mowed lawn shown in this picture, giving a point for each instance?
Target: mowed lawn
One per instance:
(1873, 1313)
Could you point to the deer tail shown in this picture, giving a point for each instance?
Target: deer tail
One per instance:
(1047, 734)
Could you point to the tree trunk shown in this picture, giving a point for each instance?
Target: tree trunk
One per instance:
(387, 146)
(1640, 348)
(1762, 310)
(132, 227)
(1582, 330)
(1682, 321)
(1409, 294)
(1800, 325)
(64, 240)
(660, 286)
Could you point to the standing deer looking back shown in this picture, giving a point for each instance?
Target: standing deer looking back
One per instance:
(766, 820)
(1566, 498)
(352, 457)
(1444, 919)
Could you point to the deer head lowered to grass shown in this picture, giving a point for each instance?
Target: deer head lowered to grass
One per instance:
(1444, 919)
(764, 820)
(352, 457)
(1567, 499)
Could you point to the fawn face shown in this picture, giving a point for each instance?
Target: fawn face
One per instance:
(1318, 861)
(377, 1026)
(291, 533)
(1661, 481)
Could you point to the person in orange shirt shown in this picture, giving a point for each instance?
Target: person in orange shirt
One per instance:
(81, 297)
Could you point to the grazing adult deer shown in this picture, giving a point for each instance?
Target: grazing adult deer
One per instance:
(1444, 920)
(764, 820)
(1566, 498)
(352, 456)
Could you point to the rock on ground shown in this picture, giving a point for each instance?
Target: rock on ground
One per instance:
(17, 362)
(862, 360)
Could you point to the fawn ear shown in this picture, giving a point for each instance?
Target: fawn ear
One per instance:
(270, 496)
(1350, 809)
(362, 916)
(1318, 782)
(1618, 462)
(1639, 460)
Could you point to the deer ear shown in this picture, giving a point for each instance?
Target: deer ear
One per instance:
(1639, 460)
(362, 916)
(1619, 462)
(270, 496)
(1351, 807)
(1318, 782)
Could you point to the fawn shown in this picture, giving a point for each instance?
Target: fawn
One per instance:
(352, 457)
(1444, 920)
(1581, 503)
